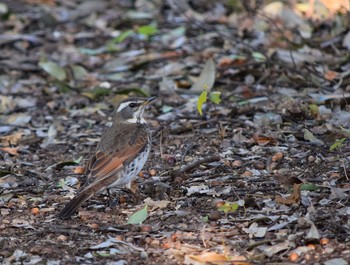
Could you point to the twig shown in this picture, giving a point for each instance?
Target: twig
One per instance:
(193, 165)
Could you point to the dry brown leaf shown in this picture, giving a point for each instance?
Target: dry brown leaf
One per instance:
(42, 2)
(291, 199)
(79, 170)
(287, 180)
(227, 62)
(10, 150)
(211, 257)
(263, 140)
(215, 258)
(12, 139)
(330, 75)
(337, 6)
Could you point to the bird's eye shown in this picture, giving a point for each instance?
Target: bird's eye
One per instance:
(132, 105)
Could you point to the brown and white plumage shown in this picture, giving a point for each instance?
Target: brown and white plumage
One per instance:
(120, 155)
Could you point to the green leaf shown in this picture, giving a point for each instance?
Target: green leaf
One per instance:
(309, 136)
(229, 207)
(79, 72)
(138, 217)
(259, 57)
(201, 99)
(122, 36)
(166, 108)
(308, 186)
(61, 183)
(338, 144)
(148, 30)
(54, 70)
(206, 78)
(215, 97)
(234, 207)
(314, 109)
(103, 254)
(77, 161)
(63, 87)
(97, 51)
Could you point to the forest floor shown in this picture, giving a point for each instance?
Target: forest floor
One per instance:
(261, 177)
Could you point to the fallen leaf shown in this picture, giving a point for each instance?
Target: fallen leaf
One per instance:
(274, 249)
(139, 216)
(201, 100)
(12, 139)
(309, 136)
(291, 199)
(330, 75)
(263, 140)
(54, 70)
(10, 150)
(206, 78)
(209, 257)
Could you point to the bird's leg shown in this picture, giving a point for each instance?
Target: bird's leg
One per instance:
(110, 201)
(131, 190)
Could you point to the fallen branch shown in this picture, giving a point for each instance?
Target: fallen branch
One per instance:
(181, 172)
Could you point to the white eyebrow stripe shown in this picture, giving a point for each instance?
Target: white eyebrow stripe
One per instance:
(122, 106)
(135, 120)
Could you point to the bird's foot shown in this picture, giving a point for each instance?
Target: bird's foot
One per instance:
(134, 197)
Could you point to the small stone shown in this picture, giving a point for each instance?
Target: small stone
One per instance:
(143, 255)
(293, 257)
(277, 157)
(182, 226)
(293, 151)
(129, 240)
(146, 228)
(79, 170)
(155, 243)
(214, 215)
(178, 180)
(311, 159)
(324, 241)
(247, 174)
(307, 257)
(94, 226)
(218, 203)
(272, 166)
(171, 160)
(142, 174)
(35, 157)
(237, 163)
(62, 238)
(35, 211)
(291, 139)
(148, 240)
(259, 165)
(153, 172)
(311, 246)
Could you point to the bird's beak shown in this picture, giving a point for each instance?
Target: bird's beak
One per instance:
(149, 100)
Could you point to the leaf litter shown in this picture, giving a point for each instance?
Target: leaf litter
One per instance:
(260, 176)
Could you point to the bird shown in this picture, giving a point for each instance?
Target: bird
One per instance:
(122, 152)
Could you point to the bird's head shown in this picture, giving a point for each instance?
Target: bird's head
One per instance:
(131, 110)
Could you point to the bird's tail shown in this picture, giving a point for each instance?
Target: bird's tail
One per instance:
(73, 205)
